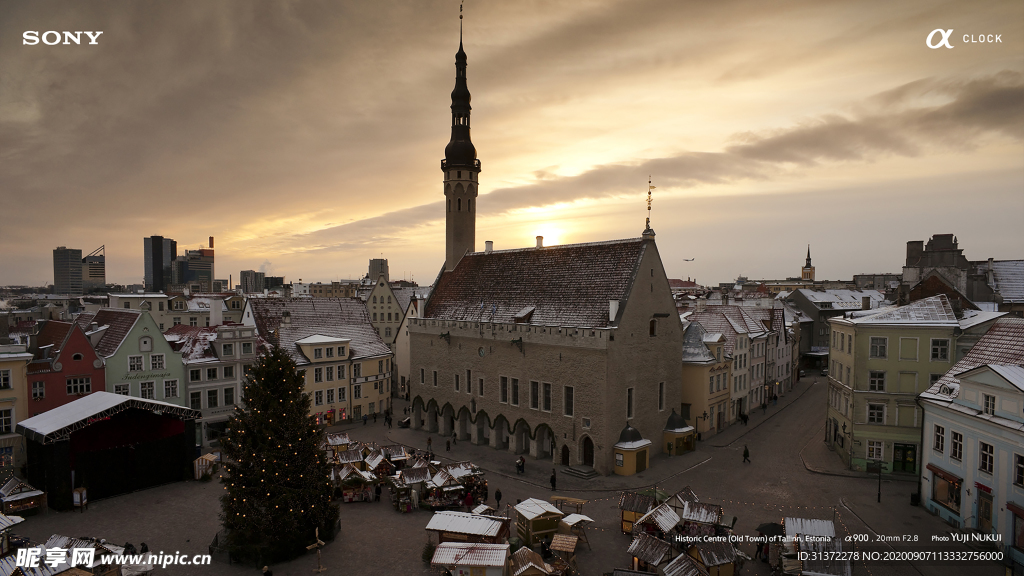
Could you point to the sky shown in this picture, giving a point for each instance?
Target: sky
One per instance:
(306, 136)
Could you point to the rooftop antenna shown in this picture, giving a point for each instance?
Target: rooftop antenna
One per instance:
(649, 199)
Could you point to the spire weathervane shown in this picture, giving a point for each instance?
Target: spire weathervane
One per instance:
(649, 200)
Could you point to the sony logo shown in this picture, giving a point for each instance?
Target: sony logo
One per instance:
(51, 37)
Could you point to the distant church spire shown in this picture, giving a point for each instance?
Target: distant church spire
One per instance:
(461, 168)
(807, 272)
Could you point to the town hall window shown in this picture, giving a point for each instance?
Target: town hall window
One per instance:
(567, 401)
(654, 327)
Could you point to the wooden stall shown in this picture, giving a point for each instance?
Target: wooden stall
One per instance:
(452, 526)
(18, 497)
(633, 506)
(536, 520)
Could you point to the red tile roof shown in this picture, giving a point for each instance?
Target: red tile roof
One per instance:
(566, 285)
(54, 333)
(120, 322)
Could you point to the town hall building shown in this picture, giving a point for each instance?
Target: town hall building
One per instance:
(550, 351)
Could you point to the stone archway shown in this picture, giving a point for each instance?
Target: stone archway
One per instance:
(565, 455)
(447, 420)
(482, 428)
(520, 441)
(432, 417)
(499, 433)
(543, 440)
(462, 424)
(588, 452)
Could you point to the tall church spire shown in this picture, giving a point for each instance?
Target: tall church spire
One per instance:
(808, 255)
(461, 168)
(807, 272)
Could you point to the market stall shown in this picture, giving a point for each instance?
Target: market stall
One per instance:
(576, 524)
(353, 456)
(356, 485)
(443, 492)
(397, 455)
(204, 465)
(452, 526)
(336, 442)
(17, 496)
(460, 558)
(574, 503)
(377, 463)
(536, 520)
(633, 506)
(701, 519)
(659, 522)
(526, 562)
(717, 558)
(649, 552)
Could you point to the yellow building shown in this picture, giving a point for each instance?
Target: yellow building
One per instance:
(14, 361)
(632, 452)
(347, 365)
(879, 361)
(707, 374)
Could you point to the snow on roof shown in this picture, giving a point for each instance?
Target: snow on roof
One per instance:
(684, 565)
(321, 339)
(465, 523)
(414, 475)
(337, 317)
(1007, 279)
(337, 439)
(574, 519)
(532, 508)
(974, 317)
(52, 421)
(716, 553)
(648, 548)
(1002, 344)
(809, 527)
(701, 512)
(467, 554)
(567, 285)
(524, 559)
(634, 445)
(842, 298)
(695, 348)
(933, 311)
(460, 469)
(1013, 374)
(663, 516)
(7, 521)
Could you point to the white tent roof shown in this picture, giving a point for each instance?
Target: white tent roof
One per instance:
(45, 425)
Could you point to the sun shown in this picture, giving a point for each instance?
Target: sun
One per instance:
(552, 236)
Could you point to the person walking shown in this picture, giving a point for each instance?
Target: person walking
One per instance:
(374, 417)
(553, 480)
(390, 423)
(429, 441)
(757, 550)
(764, 407)
(376, 493)
(746, 454)
(447, 445)
(497, 499)
(455, 437)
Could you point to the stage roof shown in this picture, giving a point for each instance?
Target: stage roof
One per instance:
(58, 424)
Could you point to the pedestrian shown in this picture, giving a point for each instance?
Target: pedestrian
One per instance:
(390, 423)
(428, 443)
(553, 479)
(764, 407)
(486, 491)
(775, 399)
(374, 417)
(469, 502)
(497, 499)
(757, 551)
(455, 437)
(447, 445)
(364, 419)
(746, 454)
(376, 493)
(267, 571)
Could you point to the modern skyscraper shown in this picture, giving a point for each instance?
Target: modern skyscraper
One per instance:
(461, 169)
(67, 271)
(159, 253)
(252, 281)
(379, 266)
(94, 270)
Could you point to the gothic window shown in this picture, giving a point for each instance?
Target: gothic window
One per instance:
(460, 205)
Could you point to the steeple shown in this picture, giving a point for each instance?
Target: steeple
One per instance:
(807, 272)
(460, 167)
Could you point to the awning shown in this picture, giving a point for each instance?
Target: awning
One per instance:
(944, 475)
(1015, 508)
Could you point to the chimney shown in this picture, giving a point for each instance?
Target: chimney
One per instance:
(216, 313)
(488, 246)
(93, 327)
(865, 303)
(211, 242)
(613, 308)
(286, 317)
(540, 241)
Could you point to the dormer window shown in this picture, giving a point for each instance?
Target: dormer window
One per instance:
(76, 356)
(989, 404)
(944, 390)
(318, 353)
(341, 351)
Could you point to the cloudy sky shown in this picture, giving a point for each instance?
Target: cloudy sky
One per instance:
(306, 136)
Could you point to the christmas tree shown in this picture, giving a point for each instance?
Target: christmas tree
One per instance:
(277, 486)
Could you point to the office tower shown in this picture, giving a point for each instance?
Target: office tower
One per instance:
(94, 270)
(159, 253)
(67, 271)
(379, 266)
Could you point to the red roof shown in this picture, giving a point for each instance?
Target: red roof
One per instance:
(119, 322)
(677, 283)
(54, 333)
(566, 285)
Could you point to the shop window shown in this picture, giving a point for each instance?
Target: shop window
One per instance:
(946, 493)
(874, 450)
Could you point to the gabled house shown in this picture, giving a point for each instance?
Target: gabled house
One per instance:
(64, 367)
(139, 361)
